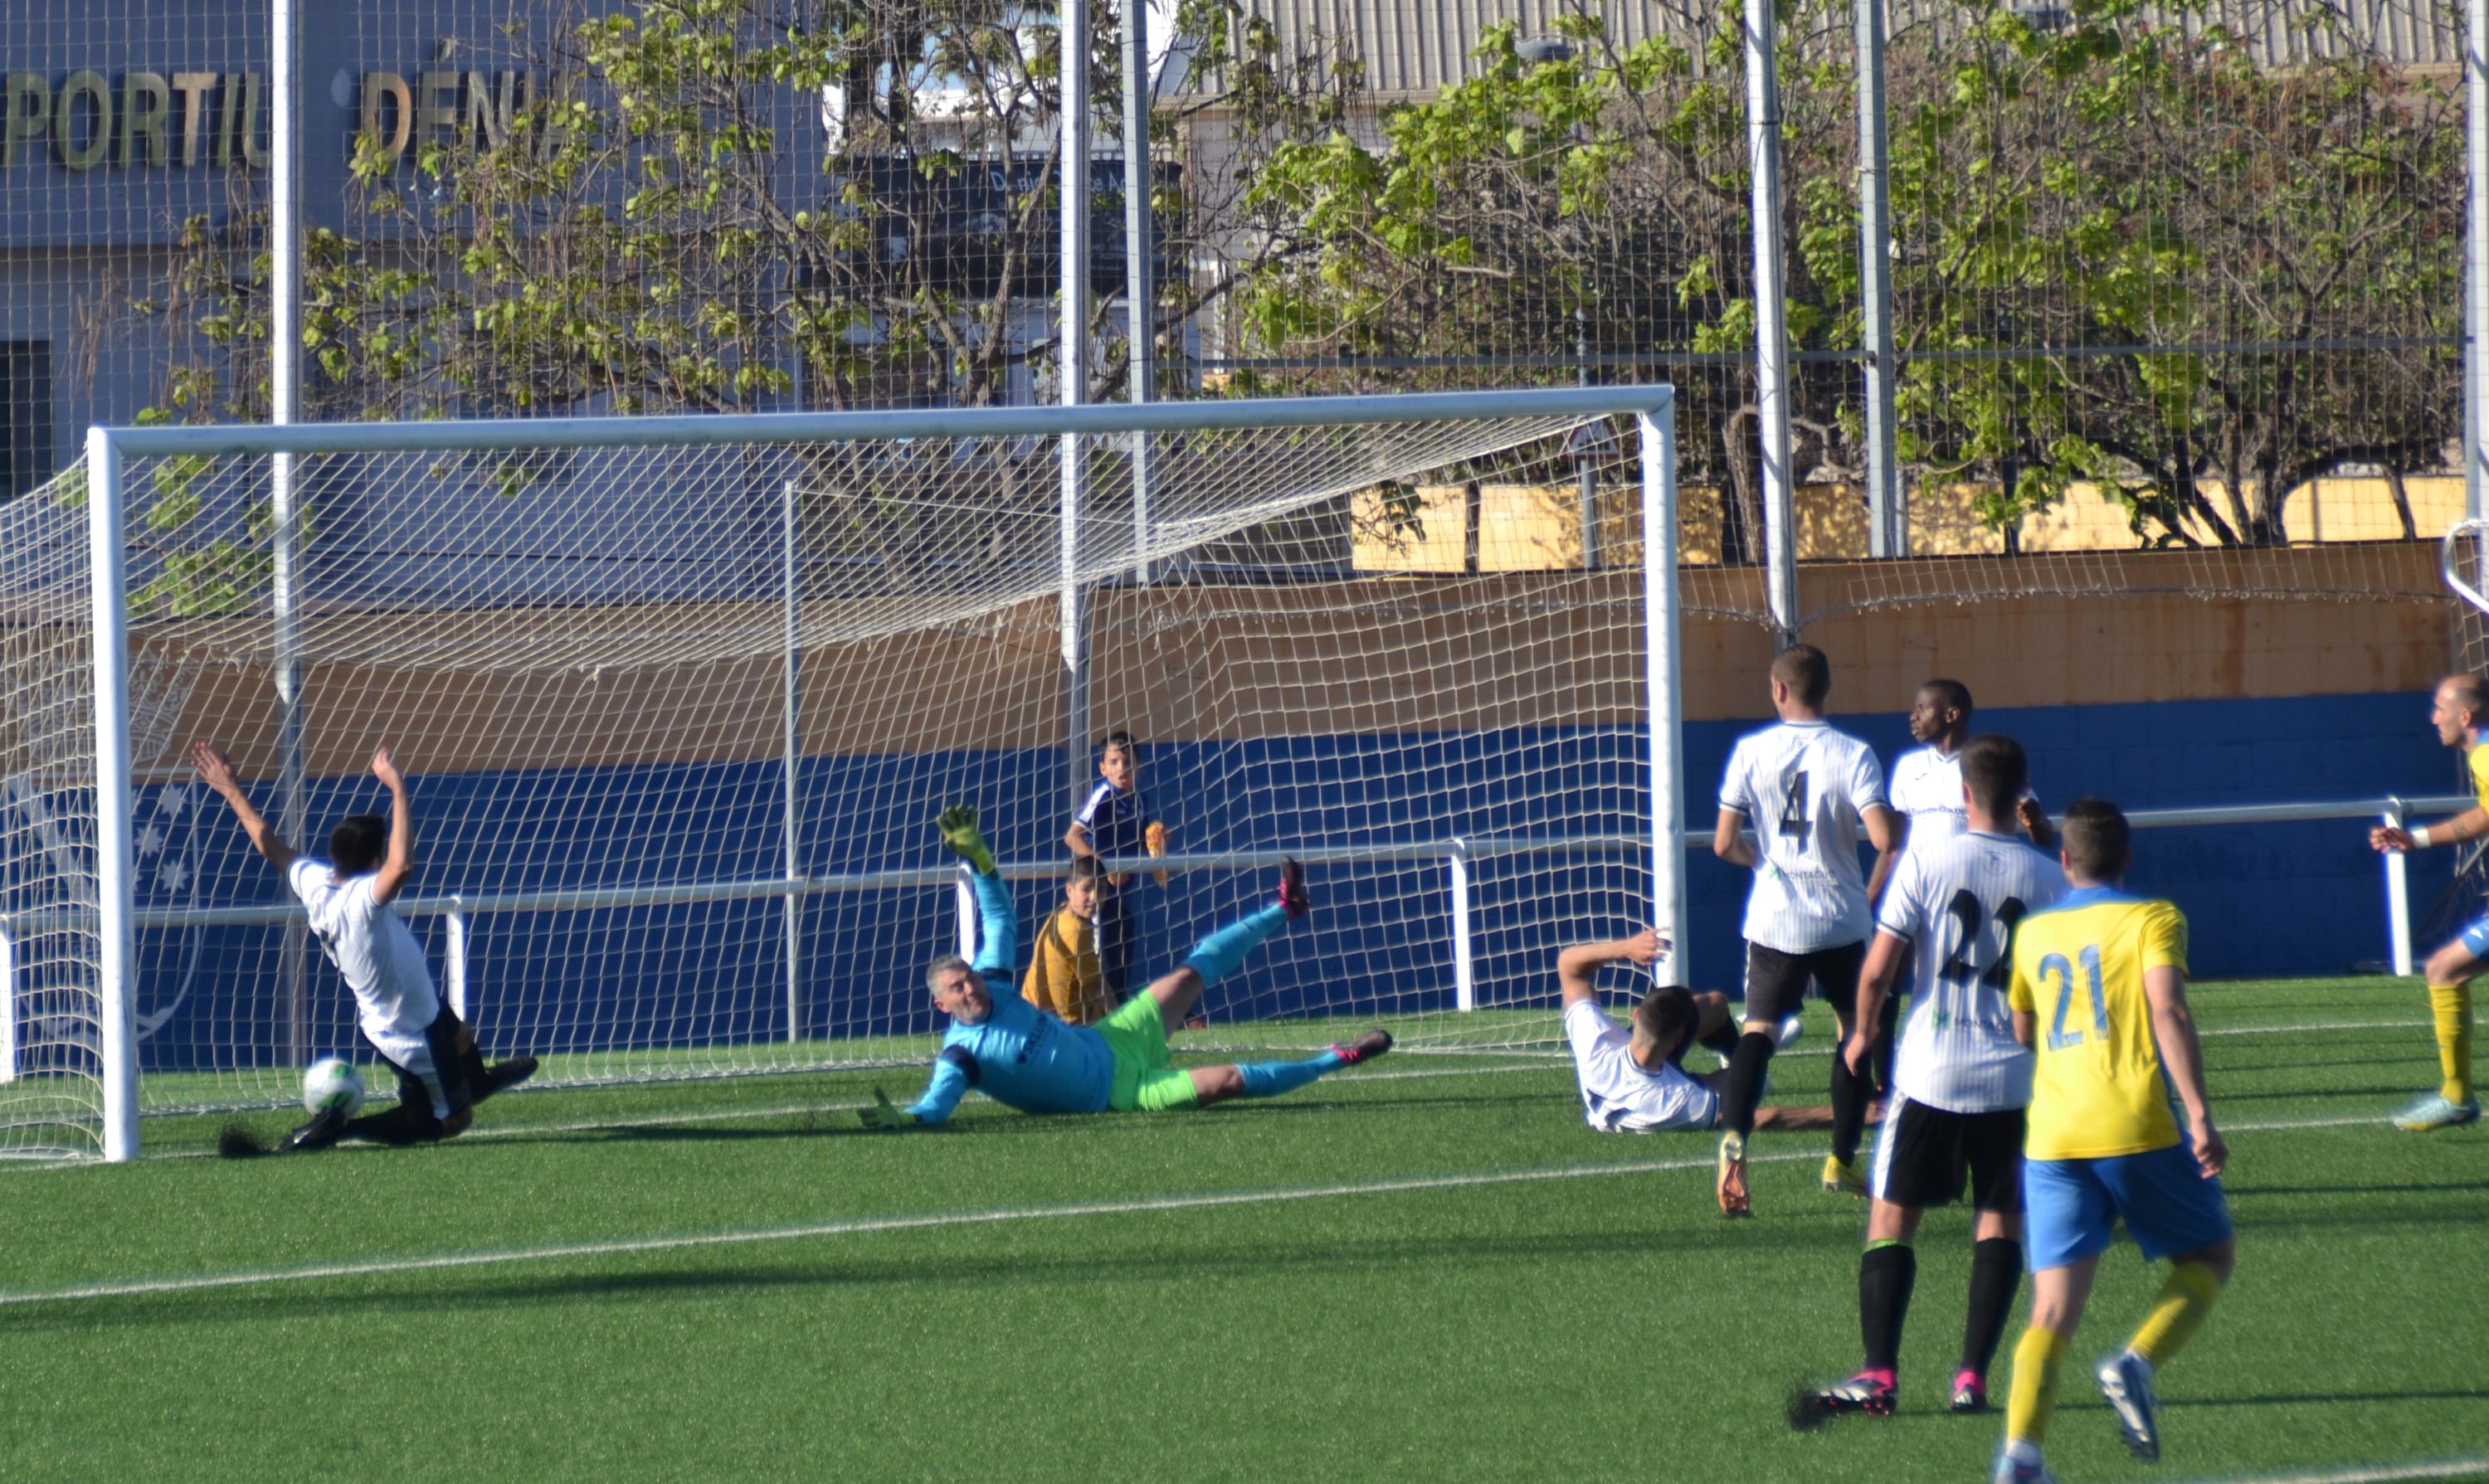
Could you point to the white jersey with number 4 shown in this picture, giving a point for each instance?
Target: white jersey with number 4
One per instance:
(1956, 904)
(1926, 787)
(1802, 787)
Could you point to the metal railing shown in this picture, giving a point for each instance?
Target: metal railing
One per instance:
(1458, 854)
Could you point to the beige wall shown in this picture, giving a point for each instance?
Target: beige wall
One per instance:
(1385, 654)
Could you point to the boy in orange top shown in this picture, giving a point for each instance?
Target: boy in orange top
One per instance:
(1064, 975)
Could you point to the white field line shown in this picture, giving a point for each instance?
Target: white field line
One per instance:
(870, 1225)
(860, 1226)
(2376, 1473)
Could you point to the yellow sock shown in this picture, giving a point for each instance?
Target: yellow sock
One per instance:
(2451, 1003)
(2176, 1314)
(2037, 1357)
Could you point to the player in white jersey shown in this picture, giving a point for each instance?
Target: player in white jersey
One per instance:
(442, 1073)
(1961, 1081)
(1635, 1081)
(1925, 783)
(1809, 791)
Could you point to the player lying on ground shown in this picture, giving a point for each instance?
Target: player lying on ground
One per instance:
(1809, 791)
(1027, 1058)
(1635, 1082)
(2460, 714)
(1064, 972)
(441, 1071)
(1960, 1084)
(2099, 993)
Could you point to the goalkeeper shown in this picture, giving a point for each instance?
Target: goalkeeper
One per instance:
(440, 1073)
(1027, 1058)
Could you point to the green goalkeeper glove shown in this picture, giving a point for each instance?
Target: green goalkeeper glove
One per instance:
(959, 826)
(882, 1113)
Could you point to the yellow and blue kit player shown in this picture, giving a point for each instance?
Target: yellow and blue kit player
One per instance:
(2459, 711)
(2099, 992)
(1029, 1059)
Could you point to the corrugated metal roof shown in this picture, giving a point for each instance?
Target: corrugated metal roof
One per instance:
(1418, 46)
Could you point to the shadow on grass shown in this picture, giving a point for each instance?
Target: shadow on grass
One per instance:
(471, 1289)
(2235, 1191)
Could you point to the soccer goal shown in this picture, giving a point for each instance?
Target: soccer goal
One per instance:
(678, 698)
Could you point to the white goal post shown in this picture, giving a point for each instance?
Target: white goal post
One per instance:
(1252, 462)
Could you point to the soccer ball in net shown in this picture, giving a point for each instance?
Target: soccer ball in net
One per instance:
(332, 1082)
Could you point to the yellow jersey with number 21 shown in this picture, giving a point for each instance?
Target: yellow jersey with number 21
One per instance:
(2098, 1089)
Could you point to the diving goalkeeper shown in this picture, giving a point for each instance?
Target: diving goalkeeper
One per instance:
(1027, 1058)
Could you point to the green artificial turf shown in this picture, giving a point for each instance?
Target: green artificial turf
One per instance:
(1603, 1324)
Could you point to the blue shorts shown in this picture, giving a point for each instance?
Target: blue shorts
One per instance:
(2168, 1205)
(2476, 937)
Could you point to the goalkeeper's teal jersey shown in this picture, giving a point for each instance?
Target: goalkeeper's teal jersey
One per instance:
(1020, 1056)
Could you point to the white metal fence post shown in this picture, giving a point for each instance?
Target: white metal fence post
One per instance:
(2476, 252)
(1662, 665)
(963, 905)
(2398, 939)
(1071, 362)
(1141, 261)
(1464, 964)
(1884, 529)
(793, 821)
(8, 1004)
(285, 405)
(453, 966)
(116, 875)
(1771, 323)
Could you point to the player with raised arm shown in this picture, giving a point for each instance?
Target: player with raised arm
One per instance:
(2460, 712)
(1809, 792)
(1962, 1082)
(1027, 1058)
(2100, 994)
(440, 1073)
(1634, 1081)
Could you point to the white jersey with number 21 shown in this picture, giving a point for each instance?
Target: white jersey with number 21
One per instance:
(1955, 906)
(1802, 787)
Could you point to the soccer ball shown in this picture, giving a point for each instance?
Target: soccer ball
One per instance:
(332, 1082)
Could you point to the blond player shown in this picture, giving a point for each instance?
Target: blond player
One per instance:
(2460, 712)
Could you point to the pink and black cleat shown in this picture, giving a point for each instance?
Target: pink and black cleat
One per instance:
(1293, 895)
(1364, 1048)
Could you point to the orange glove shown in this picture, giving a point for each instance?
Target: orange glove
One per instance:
(1153, 840)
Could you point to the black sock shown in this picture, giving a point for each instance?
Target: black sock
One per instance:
(1850, 1095)
(1746, 1067)
(1724, 1040)
(1995, 1276)
(1886, 1274)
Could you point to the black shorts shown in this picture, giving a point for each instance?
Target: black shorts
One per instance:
(1776, 981)
(1925, 1153)
(455, 1060)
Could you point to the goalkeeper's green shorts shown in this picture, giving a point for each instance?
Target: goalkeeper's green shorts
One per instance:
(1136, 1033)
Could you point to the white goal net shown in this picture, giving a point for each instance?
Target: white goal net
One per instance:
(679, 702)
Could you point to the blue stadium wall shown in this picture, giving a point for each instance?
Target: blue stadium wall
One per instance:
(2263, 900)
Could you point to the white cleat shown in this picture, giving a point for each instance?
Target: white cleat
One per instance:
(2126, 1380)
